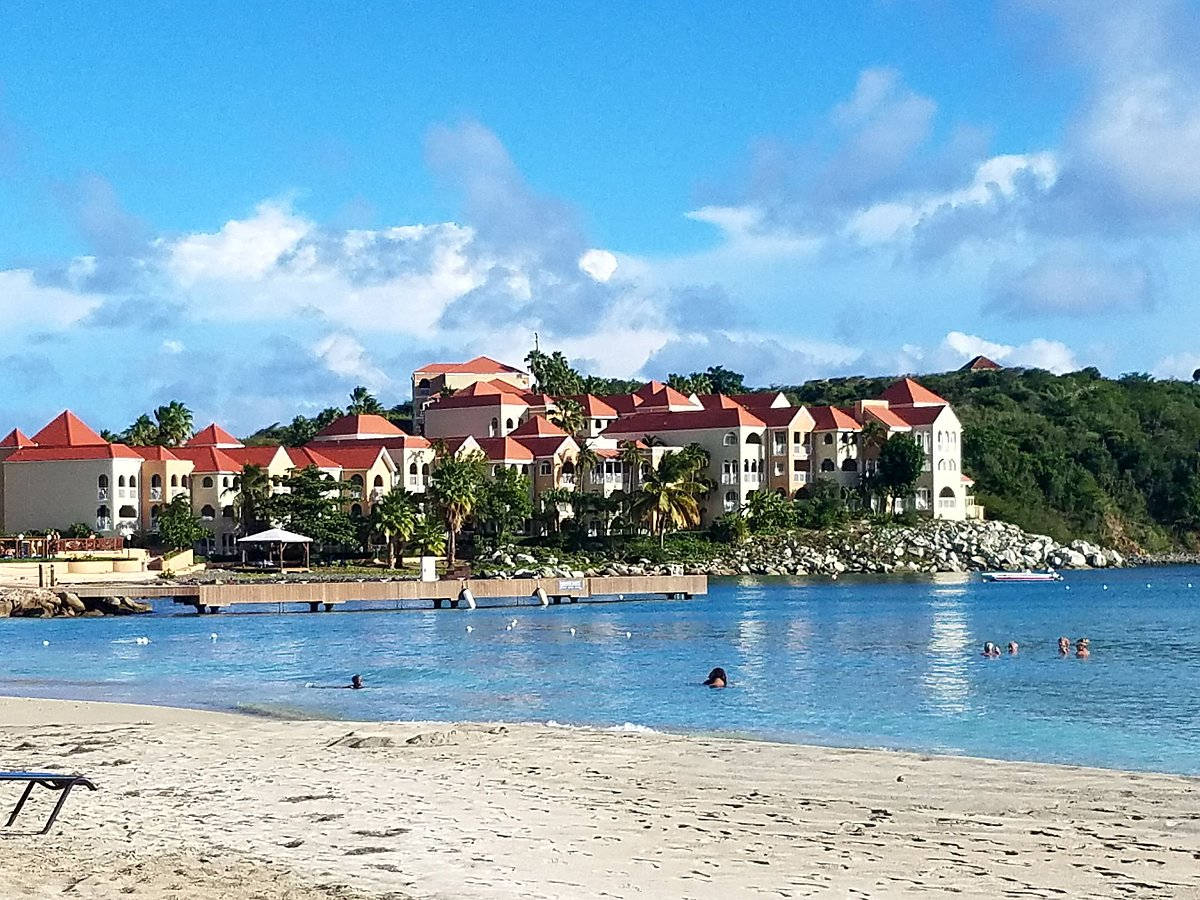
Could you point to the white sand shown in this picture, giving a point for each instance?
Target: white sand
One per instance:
(201, 805)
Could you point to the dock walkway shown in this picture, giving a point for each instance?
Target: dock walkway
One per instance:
(326, 595)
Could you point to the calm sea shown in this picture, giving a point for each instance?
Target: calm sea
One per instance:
(854, 662)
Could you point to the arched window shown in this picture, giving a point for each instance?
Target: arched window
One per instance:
(941, 465)
(156, 481)
(412, 468)
(207, 482)
(828, 438)
(102, 512)
(731, 501)
(121, 481)
(378, 481)
(423, 383)
(827, 465)
(496, 469)
(425, 470)
(225, 482)
(356, 480)
(568, 468)
(850, 465)
(174, 481)
(508, 425)
(493, 427)
(183, 481)
(356, 511)
(946, 493)
(753, 439)
(237, 482)
(102, 481)
(127, 512)
(953, 466)
(730, 439)
(154, 512)
(133, 481)
(207, 512)
(525, 469)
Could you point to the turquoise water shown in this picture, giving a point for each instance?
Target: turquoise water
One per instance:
(853, 662)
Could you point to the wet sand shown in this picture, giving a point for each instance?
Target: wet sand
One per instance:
(204, 805)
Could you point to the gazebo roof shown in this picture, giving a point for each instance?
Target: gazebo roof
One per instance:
(275, 536)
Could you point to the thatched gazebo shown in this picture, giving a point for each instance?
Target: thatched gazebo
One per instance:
(276, 540)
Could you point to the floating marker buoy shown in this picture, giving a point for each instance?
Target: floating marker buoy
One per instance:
(47, 643)
(1068, 587)
(513, 623)
(572, 632)
(469, 629)
(465, 596)
(539, 594)
(508, 628)
(1106, 587)
(629, 634)
(213, 636)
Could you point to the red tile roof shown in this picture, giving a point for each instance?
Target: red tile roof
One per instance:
(885, 416)
(209, 459)
(546, 446)
(155, 453)
(593, 407)
(762, 400)
(351, 457)
(657, 394)
(16, 438)
(80, 451)
(481, 393)
(504, 450)
(347, 426)
(832, 418)
(303, 457)
(254, 456)
(907, 392)
(213, 436)
(979, 363)
(624, 404)
(718, 401)
(537, 426)
(780, 416)
(650, 422)
(67, 430)
(480, 365)
(919, 415)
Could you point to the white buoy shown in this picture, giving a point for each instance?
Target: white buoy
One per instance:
(508, 628)
(513, 623)
(1068, 587)
(629, 634)
(213, 636)
(142, 641)
(539, 594)
(465, 596)
(1106, 587)
(572, 632)
(47, 643)
(469, 629)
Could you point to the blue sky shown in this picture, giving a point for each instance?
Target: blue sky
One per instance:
(254, 207)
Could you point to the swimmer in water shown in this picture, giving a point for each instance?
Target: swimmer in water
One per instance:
(716, 678)
(1013, 647)
(1082, 648)
(990, 650)
(356, 683)
(1064, 646)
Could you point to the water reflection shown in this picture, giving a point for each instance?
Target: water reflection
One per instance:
(947, 688)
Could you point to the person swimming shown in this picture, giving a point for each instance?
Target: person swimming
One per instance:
(1064, 646)
(1083, 648)
(716, 678)
(356, 683)
(1013, 648)
(990, 650)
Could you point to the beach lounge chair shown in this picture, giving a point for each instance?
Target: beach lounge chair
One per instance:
(49, 780)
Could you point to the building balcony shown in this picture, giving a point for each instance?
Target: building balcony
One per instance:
(752, 477)
(376, 493)
(729, 478)
(799, 478)
(103, 524)
(156, 493)
(102, 494)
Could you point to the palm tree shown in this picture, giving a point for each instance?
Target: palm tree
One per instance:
(667, 498)
(569, 417)
(394, 517)
(363, 403)
(142, 433)
(174, 423)
(550, 504)
(585, 463)
(455, 486)
(253, 498)
(631, 459)
(428, 535)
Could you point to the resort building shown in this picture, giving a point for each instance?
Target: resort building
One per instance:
(436, 378)
(164, 477)
(411, 454)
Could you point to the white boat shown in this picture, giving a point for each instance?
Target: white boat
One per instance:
(1021, 576)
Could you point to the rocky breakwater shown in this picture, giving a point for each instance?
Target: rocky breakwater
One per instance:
(928, 548)
(45, 603)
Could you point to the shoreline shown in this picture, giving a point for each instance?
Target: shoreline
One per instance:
(201, 804)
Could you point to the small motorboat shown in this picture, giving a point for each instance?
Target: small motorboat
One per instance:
(1022, 576)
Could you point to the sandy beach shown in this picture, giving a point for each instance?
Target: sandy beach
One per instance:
(205, 805)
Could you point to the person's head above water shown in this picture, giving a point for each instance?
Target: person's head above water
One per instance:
(1064, 645)
(356, 682)
(717, 678)
(1013, 647)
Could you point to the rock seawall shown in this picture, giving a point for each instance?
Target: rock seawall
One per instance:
(35, 603)
(890, 549)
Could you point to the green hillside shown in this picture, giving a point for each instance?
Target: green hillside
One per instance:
(1075, 455)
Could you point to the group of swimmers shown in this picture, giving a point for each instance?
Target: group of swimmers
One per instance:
(1082, 648)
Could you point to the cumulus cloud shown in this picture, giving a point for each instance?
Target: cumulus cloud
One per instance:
(1072, 281)
(1038, 353)
(343, 355)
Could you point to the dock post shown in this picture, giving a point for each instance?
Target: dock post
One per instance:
(213, 610)
(437, 602)
(328, 607)
(454, 604)
(199, 608)
(312, 607)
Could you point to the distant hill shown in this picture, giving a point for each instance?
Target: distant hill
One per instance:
(1077, 455)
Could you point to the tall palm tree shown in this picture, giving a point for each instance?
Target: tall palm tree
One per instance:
(174, 423)
(253, 499)
(631, 458)
(363, 403)
(455, 487)
(142, 433)
(585, 463)
(667, 499)
(569, 417)
(394, 517)
(428, 535)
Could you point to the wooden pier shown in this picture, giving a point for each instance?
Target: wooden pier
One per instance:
(328, 595)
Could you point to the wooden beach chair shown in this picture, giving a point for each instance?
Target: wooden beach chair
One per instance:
(49, 780)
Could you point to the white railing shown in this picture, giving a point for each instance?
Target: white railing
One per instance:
(103, 524)
(800, 477)
(947, 502)
(155, 493)
(101, 493)
(414, 480)
(753, 477)
(780, 449)
(730, 505)
(729, 478)
(376, 493)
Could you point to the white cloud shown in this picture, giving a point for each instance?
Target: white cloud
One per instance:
(173, 346)
(25, 302)
(601, 265)
(1177, 365)
(242, 249)
(1038, 353)
(1072, 280)
(344, 356)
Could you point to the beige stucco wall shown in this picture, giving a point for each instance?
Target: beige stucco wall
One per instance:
(59, 493)
(473, 420)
